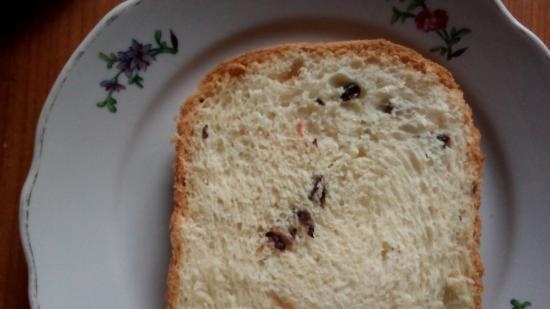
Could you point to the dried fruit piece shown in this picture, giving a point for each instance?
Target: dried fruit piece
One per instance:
(445, 139)
(387, 108)
(279, 239)
(320, 101)
(475, 187)
(318, 193)
(205, 132)
(306, 220)
(351, 91)
(293, 231)
(314, 142)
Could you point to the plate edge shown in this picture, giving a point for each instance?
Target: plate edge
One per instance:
(32, 175)
(533, 38)
(26, 192)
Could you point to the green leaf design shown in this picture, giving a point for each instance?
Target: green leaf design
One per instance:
(111, 108)
(412, 6)
(519, 305)
(454, 40)
(174, 41)
(395, 16)
(110, 59)
(457, 53)
(158, 37)
(103, 56)
(442, 50)
(162, 46)
(111, 104)
(463, 31)
(416, 4)
(136, 80)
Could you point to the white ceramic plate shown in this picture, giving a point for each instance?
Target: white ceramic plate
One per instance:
(95, 207)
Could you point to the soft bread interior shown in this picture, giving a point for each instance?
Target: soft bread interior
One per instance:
(397, 224)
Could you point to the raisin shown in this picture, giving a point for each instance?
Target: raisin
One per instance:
(320, 102)
(318, 193)
(351, 91)
(314, 142)
(205, 132)
(280, 240)
(310, 231)
(387, 108)
(304, 216)
(445, 139)
(293, 231)
(306, 220)
(279, 244)
(475, 188)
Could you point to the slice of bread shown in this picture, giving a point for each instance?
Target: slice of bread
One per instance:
(336, 175)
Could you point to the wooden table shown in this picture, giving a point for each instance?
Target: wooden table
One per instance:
(33, 49)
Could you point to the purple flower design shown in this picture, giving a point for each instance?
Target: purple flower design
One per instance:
(131, 62)
(112, 85)
(137, 58)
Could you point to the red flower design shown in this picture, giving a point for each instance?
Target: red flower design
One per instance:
(428, 20)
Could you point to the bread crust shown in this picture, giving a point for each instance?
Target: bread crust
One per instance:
(238, 66)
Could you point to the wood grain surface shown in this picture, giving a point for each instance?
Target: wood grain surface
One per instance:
(37, 38)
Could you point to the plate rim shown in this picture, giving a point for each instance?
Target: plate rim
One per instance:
(39, 138)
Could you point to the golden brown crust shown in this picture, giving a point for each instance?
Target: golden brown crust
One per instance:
(238, 66)
(185, 131)
(476, 161)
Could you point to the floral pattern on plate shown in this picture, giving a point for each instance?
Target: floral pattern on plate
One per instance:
(131, 63)
(433, 20)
